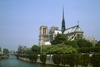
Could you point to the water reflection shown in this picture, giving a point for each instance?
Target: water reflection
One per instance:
(13, 62)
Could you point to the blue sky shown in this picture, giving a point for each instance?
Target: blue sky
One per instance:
(20, 19)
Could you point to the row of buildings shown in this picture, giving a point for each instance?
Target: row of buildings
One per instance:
(75, 32)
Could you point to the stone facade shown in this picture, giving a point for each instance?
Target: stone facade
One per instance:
(43, 35)
(52, 32)
(73, 33)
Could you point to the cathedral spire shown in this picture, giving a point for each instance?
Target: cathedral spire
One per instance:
(63, 12)
(63, 23)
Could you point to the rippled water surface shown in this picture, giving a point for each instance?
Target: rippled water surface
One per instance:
(13, 62)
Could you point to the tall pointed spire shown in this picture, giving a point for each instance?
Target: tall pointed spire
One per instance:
(63, 12)
(63, 23)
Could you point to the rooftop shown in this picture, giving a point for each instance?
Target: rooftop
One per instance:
(73, 29)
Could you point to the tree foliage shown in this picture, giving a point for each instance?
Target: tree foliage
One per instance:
(83, 43)
(71, 59)
(20, 50)
(73, 44)
(95, 60)
(0, 49)
(56, 58)
(35, 48)
(97, 44)
(27, 51)
(59, 49)
(5, 50)
(60, 38)
(43, 58)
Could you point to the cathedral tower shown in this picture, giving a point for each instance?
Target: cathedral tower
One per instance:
(43, 35)
(63, 23)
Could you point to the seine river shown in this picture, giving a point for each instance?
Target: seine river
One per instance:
(13, 62)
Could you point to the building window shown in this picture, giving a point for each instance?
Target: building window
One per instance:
(78, 35)
(44, 30)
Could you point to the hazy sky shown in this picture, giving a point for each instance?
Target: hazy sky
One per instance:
(20, 19)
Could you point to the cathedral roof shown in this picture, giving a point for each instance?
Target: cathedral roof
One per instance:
(58, 31)
(73, 29)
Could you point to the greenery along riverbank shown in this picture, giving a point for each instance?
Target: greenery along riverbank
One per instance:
(67, 59)
(64, 52)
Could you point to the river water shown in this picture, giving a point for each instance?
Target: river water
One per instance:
(12, 61)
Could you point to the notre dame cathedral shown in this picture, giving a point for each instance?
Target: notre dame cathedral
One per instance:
(74, 32)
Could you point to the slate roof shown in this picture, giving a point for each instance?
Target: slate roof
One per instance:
(73, 29)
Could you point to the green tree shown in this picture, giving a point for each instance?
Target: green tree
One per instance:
(43, 58)
(83, 43)
(56, 59)
(73, 44)
(64, 59)
(59, 49)
(5, 50)
(60, 38)
(95, 60)
(27, 51)
(35, 49)
(97, 44)
(89, 44)
(0, 49)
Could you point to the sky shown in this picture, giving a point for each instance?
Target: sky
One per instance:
(20, 20)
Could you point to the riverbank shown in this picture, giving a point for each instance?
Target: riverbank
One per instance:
(39, 62)
(13, 62)
(49, 61)
(4, 56)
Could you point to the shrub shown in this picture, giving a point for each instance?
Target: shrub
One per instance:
(30, 56)
(56, 58)
(71, 59)
(64, 59)
(43, 58)
(85, 59)
(35, 57)
(95, 60)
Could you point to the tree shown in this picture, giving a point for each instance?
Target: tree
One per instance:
(43, 58)
(89, 44)
(97, 44)
(0, 49)
(60, 38)
(83, 43)
(20, 50)
(59, 49)
(5, 50)
(27, 51)
(73, 44)
(35, 49)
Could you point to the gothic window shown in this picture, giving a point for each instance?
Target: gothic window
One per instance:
(44, 30)
(78, 35)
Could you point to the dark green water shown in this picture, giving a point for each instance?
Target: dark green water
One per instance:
(13, 62)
